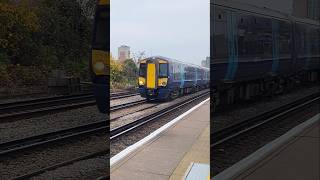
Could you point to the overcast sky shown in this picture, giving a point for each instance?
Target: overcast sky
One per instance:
(177, 29)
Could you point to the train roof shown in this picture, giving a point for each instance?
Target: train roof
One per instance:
(266, 8)
(177, 61)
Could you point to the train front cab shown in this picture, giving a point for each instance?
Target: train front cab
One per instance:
(100, 57)
(153, 79)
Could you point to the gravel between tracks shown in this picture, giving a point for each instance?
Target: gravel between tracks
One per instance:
(116, 102)
(87, 169)
(52, 122)
(124, 112)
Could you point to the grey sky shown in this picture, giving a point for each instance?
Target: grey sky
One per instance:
(176, 29)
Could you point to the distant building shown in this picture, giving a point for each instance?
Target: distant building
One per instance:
(123, 52)
(206, 62)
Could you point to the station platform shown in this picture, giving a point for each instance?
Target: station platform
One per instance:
(172, 152)
(295, 156)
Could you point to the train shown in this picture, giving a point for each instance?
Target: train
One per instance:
(100, 55)
(258, 51)
(162, 78)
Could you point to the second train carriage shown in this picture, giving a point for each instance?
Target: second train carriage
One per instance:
(256, 50)
(164, 78)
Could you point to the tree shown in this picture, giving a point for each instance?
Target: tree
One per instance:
(139, 56)
(88, 7)
(115, 71)
(130, 69)
(18, 27)
(65, 28)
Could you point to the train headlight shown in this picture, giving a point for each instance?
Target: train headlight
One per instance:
(100, 61)
(141, 81)
(98, 67)
(163, 82)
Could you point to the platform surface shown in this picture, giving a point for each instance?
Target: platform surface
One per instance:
(170, 154)
(297, 159)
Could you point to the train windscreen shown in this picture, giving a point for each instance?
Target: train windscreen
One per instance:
(163, 70)
(101, 29)
(143, 70)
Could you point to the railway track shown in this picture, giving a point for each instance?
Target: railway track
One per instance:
(41, 106)
(130, 127)
(122, 95)
(50, 101)
(57, 136)
(127, 105)
(44, 102)
(30, 143)
(228, 133)
(61, 164)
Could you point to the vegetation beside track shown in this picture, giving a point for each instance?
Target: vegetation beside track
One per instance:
(123, 75)
(39, 36)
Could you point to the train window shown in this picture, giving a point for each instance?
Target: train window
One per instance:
(189, 73)
(163, 70)
(300, 39)
(203, 74)
(314, 39)
(306, 40)
(101, 29)
(254, 37)
(318, 42)
(176, 72)
(219, 48)
(199, 72)
(284, 38)
(143, 69)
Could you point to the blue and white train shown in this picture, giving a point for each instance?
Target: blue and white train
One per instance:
(164, 78)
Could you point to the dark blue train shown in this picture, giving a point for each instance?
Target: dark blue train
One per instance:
(100, 56)
(163, 78)
(256, 51)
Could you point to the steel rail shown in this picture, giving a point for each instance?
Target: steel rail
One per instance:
(123, 96)
(32, 108)
(45, 103)
(7, 117)
(58, 99)
(37, 100)
(245, 126)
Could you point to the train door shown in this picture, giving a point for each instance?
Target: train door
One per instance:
(151, 75)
